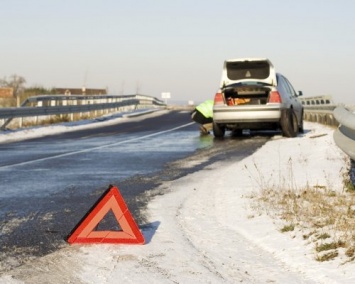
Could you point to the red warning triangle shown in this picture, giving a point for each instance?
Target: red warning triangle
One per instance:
(85, 232)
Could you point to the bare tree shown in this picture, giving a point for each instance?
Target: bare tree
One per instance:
(138, 87)
(17, 83)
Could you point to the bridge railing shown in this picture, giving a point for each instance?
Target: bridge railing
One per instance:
(323, 110)
(319, 109)
(45, 105)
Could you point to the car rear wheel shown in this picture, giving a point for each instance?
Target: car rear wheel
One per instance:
(301, 129)
(289, 125)
(218, 131)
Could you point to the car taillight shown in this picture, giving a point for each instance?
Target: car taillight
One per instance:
(275, 97)
(218, 99)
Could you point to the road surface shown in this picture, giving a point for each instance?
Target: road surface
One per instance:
(49, 183)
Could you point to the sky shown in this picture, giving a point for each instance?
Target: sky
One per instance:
(207, 228)
(154, 47)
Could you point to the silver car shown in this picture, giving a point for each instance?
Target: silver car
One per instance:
(253, 96)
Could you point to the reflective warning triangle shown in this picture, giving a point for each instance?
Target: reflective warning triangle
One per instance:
(85, 231)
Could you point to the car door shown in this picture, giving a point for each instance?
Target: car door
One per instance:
(297, 105)
(285, 91)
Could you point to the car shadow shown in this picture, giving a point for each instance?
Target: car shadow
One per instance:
(247, 134)
(262, 133)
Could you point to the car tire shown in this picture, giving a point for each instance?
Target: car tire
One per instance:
(289, 125)
(301, 129)
(218, 131)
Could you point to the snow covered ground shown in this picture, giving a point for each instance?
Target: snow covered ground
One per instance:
(206, 228)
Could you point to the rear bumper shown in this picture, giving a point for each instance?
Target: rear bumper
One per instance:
(246, 114)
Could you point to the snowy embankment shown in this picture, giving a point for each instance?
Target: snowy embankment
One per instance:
(208, 229)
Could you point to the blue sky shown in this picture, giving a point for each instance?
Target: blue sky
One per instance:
(177, 46)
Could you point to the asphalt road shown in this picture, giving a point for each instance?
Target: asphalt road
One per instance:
(48, 184)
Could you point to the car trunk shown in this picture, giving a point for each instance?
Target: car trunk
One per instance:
(247, 70)
(246, 95)
(240, 71)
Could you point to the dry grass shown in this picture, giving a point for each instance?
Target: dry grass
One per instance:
(324, 217)
(48, 120)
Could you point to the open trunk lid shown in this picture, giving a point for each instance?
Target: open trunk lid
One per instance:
(247, 70)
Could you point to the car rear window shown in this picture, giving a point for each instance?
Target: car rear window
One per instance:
(248, 70)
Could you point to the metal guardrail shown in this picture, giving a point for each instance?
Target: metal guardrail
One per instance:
(323, 116)
(344, 136)
(57, 104)
(319, 109)
(323, 110)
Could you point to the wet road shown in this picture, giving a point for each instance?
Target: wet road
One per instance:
(48, 184)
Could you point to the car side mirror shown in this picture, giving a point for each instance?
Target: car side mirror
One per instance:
(300, 93)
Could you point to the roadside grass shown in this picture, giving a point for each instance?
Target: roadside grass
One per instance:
(325, 218)
(49, 120)
(54, 119)
(59, 118)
